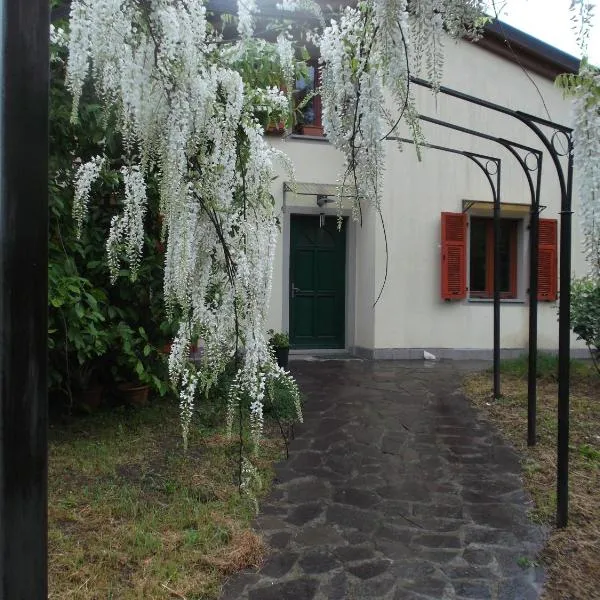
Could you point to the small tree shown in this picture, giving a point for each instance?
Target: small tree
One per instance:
(585, 314)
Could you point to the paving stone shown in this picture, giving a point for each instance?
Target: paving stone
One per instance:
(306, 460)
(414, 491)
(299, 444)
(478, 590)
(431, 587)
(235, 586)
(395, 508)
(414, 568)
(326, 442)
(487, 535)
(275, 494)
(297, 589)
(344, 465)
(276, 510)
(438, 540)
(335, 588)
(477, 556)
(393, 444)
(279, 540)
(423, 511)
(279, 564)
(367, 480)
(270, 522)
(356, 497)
(438, 556)
(354, 518)
(369, 569)
(328, 426)
(318, 562)
(387, 531)
(286, 474)
(304, 513)
(305, 491)
(318, 536)
(353, 553)
(404, 594)
(501, 516)
(468, 572)
(371, 588)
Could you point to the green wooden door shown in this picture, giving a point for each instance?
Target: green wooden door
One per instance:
(317, 282)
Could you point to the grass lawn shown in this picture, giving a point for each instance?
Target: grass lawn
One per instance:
(131, 517)
(572, 556)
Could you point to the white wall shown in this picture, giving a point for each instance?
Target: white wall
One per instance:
(410, 313)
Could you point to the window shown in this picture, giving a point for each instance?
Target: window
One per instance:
(481, 258)
(309, 119)
(471, 249)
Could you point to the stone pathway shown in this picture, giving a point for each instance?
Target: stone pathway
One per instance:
(394, 489)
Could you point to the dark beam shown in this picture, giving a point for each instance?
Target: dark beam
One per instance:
(23, 298)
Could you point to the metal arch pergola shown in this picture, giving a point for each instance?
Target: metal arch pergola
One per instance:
(23, 293)
(559, 133)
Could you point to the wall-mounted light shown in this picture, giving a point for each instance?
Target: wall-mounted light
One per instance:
(322, 200)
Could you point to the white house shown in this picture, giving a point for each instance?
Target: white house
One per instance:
(326, 280)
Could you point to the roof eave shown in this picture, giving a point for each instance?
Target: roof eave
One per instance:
(527, 51)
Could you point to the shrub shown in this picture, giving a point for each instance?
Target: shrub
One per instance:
(585, 314)
(97, 332)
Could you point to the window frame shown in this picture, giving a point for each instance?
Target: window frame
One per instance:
(317, 106)
(488, 293)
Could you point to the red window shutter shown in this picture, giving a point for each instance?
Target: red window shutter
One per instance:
(454, 256)
(547, 260)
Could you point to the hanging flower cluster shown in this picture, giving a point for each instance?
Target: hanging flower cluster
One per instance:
(85, 175)
(585, 89)
(187, 118)
(367, 57)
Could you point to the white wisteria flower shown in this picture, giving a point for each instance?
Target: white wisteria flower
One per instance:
(180, 102)
(85, 175)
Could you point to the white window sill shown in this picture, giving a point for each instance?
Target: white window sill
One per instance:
(491, 300)
(314, 138)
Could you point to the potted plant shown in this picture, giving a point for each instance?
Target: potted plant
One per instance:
(137, 366)
(280, 342)
(88, 384)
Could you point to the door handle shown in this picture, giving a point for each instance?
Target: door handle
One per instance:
(294, 290)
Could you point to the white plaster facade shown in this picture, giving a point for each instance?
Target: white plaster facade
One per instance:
(411, 316)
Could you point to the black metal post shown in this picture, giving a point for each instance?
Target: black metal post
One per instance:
(533, 314)
(23, 298)
(497, 292)
(564, 351)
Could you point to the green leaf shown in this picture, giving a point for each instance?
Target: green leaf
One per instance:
(139, 368)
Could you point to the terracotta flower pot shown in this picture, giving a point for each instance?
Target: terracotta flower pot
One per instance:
(91, 397)
(315, 130)
(134, 393)
(278, 129)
